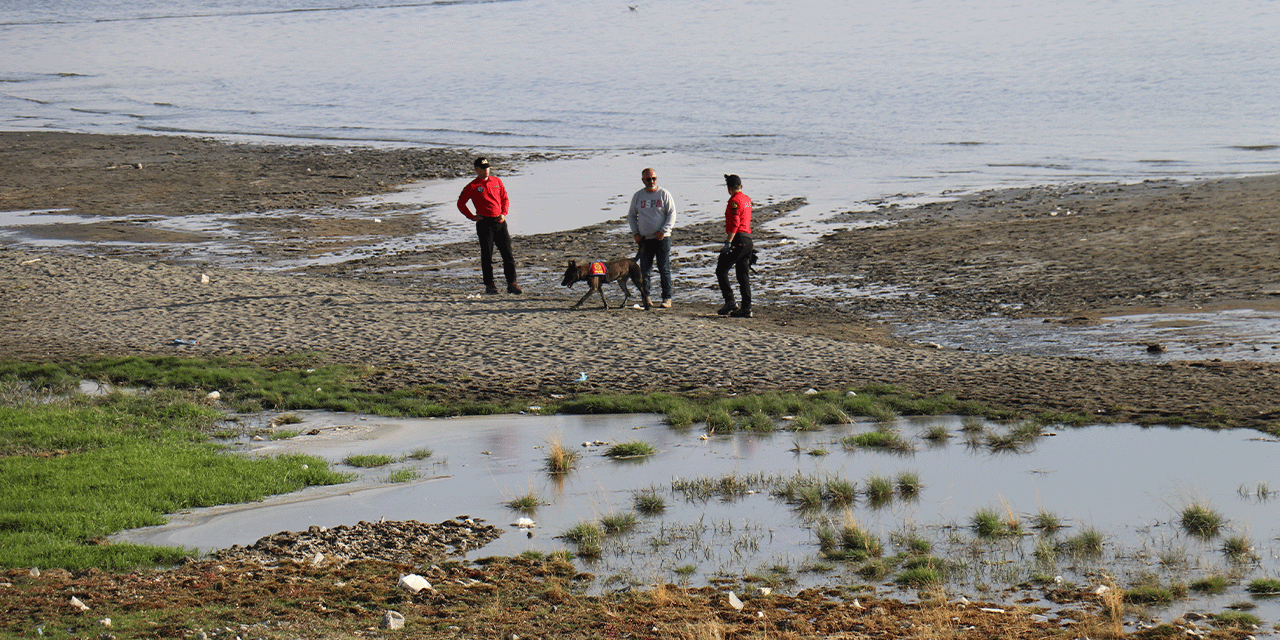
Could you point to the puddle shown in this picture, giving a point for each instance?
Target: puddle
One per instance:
(1233, 335)
(1126, 482)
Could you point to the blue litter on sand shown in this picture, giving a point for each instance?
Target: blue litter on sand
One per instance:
(179, 341)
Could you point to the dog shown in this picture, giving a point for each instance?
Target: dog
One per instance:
(596, 274)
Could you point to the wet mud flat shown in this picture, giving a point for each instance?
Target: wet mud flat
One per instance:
(1068, 255)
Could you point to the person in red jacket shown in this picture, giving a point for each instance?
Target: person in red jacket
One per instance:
(489, 197)
(737, 250)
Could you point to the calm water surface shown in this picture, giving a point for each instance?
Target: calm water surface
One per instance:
(1127, 482)
(839, 102)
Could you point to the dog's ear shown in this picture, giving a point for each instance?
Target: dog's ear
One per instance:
(572, 264)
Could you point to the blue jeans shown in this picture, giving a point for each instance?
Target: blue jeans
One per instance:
(649, 248)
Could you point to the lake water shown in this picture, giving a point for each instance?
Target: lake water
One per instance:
(838, 102)
(1128, 483)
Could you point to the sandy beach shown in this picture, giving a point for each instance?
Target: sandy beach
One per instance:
(1067, 255)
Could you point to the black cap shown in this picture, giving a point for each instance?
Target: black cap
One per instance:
(481, 162)
(732, 180)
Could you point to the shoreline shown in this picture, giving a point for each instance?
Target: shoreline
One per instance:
(415, 314)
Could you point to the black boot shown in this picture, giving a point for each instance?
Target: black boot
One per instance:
(729, 307)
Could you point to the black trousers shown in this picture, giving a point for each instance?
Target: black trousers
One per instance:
(738, 259)
(493, 233)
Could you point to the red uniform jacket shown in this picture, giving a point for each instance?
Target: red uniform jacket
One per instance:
(488, 195)
(738, 219)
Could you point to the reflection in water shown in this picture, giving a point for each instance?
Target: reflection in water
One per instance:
(745, 503)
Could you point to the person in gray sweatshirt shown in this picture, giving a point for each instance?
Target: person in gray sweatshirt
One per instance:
(651, 217)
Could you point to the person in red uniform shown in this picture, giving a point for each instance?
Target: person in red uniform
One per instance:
(737, 249)
(489, 197)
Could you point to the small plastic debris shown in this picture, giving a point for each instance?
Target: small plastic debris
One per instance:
(990, 610)
(810, 391)
(734, 601)
(75, 602)
(204, 278)
(180, 341)
(213, 395)
(582, 377)
(413, 583)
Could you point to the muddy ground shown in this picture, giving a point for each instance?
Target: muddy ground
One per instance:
(1067, 254)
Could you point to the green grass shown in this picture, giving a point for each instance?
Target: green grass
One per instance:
(1264, 586)
(1236, 620)
(648, 503)
(878, 440)
(615, 523)
(1211, 585)
(420, 454)
(583, 533)
(74, 472)
(919, 577)
(908, 484)
(1047, 521)
(937, 433)
(527, 503)
(368, 461)
(632, 449)
(988, 523)
(1087, 542)
(1238, 548)
(402, 475)
(879, 490)
(1201, 521)
(841, 492)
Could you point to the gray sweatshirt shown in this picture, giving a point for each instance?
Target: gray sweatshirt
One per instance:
(651, 213)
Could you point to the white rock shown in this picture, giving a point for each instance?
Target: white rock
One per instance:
(75, 602)
(413, 583)
(1101, 590)
(764, 591)
(213, 395)
(734, 601)
(810, 391)
(392, 620)
(34, 572)
(525, 523)
(318, 558)
(204, 278)
(106, 622)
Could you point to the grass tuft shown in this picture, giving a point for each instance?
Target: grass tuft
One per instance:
(632, 449)
(1201, 521)
(561, 459)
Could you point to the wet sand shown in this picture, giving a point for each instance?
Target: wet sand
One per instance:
(1067, 254)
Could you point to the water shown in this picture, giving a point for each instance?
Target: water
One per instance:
(838, 102)
(1127, 482)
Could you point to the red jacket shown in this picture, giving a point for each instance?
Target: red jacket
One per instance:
(737, 219)
(488, 195)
